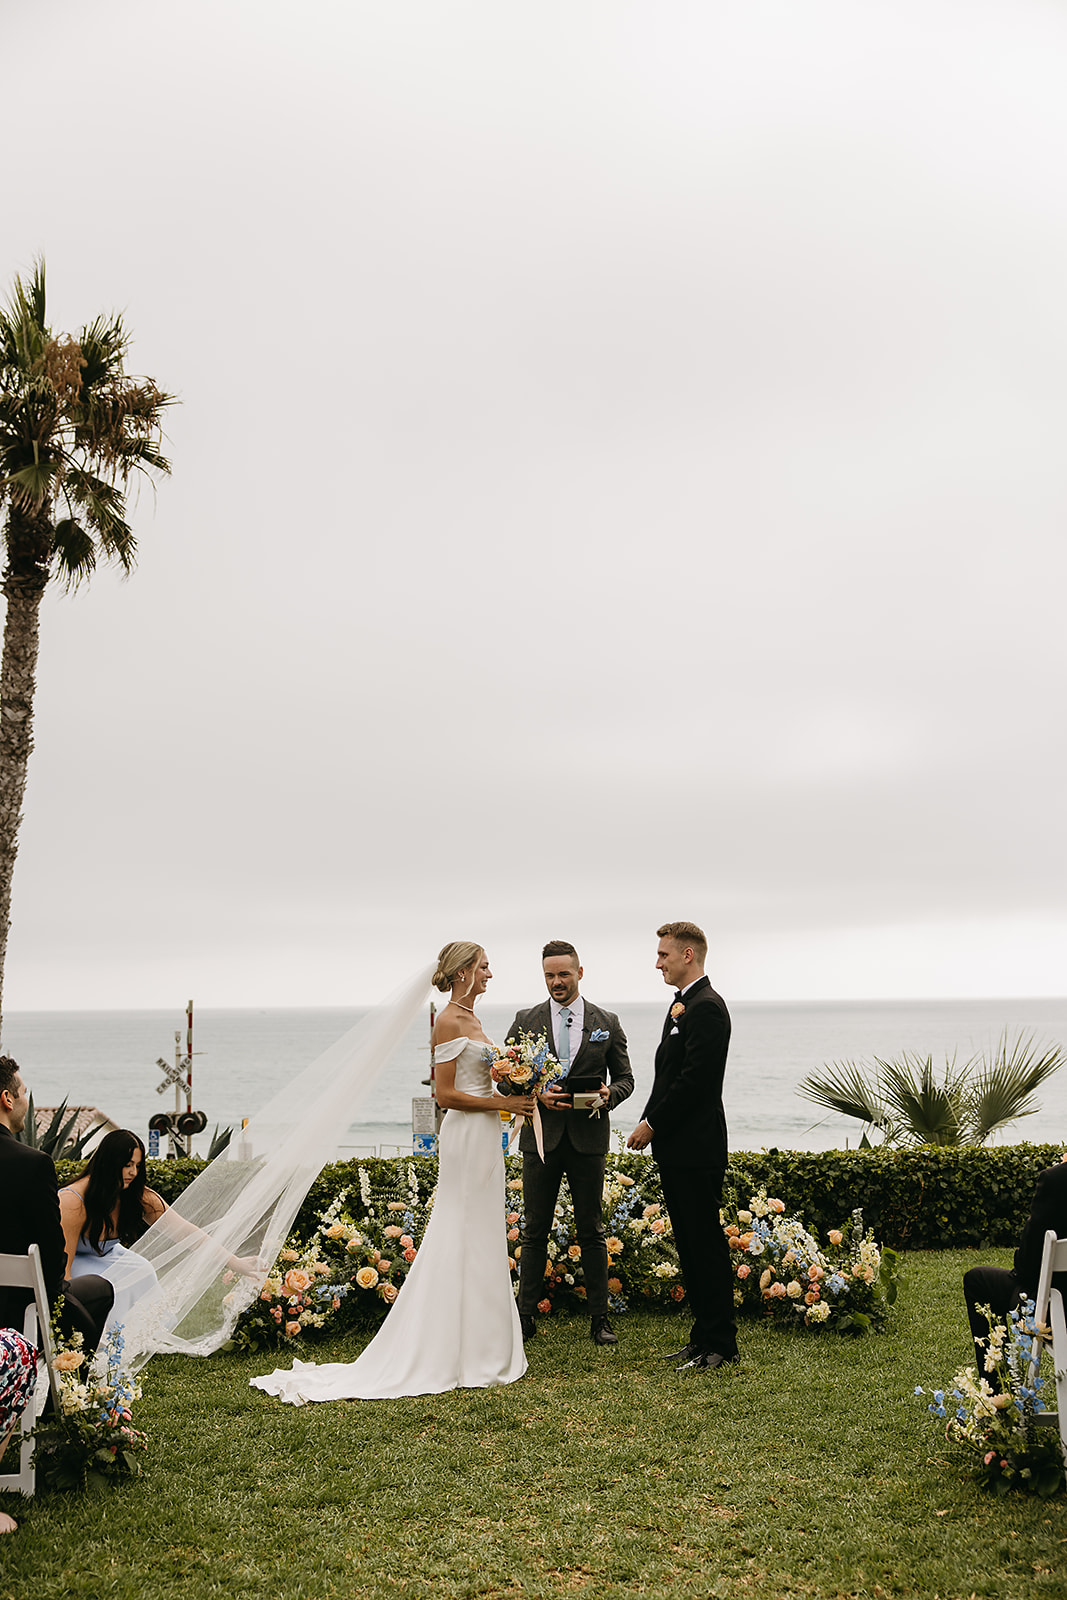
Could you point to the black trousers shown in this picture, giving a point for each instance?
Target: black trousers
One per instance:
(998, 1289)
(86, 1303)
(540, 1190)
(693, 1196)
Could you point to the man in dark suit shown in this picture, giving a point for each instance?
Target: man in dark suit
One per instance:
(685, 1123)
(590, 1043)
(29, 1214)
(1002, 1290)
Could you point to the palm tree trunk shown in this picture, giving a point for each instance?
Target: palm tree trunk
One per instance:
(24, 582)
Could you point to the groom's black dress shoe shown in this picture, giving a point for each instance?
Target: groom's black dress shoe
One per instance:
(601, 1331)
(686, 1353)
(528, 1325)
(707, 1361)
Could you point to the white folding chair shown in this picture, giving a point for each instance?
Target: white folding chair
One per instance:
(24, 1272)
(1048, 1312)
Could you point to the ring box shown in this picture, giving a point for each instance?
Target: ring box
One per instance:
(584, 1092)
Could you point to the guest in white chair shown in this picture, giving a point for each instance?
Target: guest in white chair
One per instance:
(18, 1374)
(1002, 1290)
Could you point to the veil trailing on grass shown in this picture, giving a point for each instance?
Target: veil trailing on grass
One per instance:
(211, 1250)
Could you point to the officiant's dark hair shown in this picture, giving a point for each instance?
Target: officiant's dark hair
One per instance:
(560, 947)
(104, 1172)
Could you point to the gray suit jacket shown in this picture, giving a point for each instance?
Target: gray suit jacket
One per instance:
(603, 1059)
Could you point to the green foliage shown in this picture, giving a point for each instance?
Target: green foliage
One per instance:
(908, 1105)
(90, 1441)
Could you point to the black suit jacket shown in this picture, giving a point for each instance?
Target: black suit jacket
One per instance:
(605, 1059)
(685, 1109)
(1049, 1210)
(29, 1214)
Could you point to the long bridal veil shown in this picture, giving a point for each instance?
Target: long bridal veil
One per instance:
(243, 1204)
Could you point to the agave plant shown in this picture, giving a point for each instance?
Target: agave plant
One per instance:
(58, 1140)
(908, 1104)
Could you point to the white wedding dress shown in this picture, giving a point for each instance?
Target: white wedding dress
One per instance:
(455, 1324)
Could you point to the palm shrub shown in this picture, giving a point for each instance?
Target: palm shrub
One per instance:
(908, 1104)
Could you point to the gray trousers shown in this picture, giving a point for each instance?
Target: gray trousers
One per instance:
(540, 1190)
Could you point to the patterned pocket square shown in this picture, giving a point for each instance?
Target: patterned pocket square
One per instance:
(599, 1035)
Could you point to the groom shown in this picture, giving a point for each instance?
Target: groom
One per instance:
(589, 1043)
(685, 1123)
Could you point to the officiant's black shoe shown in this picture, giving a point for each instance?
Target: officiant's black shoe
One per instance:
(528, 1325)
(601, 1331)
(686, 1353)
(707, 1361)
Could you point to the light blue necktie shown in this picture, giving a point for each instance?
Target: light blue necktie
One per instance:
(565, 1039)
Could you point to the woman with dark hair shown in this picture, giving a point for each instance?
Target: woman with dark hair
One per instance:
(105, 1211)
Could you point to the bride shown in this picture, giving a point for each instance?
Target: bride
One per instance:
(455, 1323)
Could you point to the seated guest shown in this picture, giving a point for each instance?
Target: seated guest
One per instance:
(29, 1214)
(18, 1374)
(104, 1211)
(1002, 1290)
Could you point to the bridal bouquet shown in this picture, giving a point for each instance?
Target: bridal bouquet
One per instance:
(529, 1066)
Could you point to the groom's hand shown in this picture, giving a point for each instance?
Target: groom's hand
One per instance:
(555, 1099)
(641, 1136)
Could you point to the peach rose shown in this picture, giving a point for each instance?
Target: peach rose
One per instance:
(513, 1234)
(410, 1253)
(397, 1205)
(835, 1236)
(815, 1273)
(544, 1306)
(289, 1255)
(811, 1297)
(292, 1328)
(296, 1281)
(658, 1226)
(389, 1293)
(615, 1246)
(614, 1285)
(382, 1264)
(513, 1216)
(366, 1277)
(777, 1290)
(652, 1211)
(574, 1251)
(392, 1231)
(743, 1270)
(406, 1241)
(337, 1230)
(266, 1294)
(336, 1303)
(68, 1361)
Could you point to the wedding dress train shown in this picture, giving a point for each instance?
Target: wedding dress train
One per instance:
(454, 1324)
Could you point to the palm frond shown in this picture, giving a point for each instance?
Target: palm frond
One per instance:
(74, 552)
(928, 1111)
(1003, 1089)
(843, 1088)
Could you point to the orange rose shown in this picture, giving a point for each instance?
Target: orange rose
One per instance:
(677, 1292)
(743, 1270)
(544, 1306)
(410, 1254)
(292, 1329)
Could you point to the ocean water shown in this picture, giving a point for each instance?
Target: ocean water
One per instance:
(242, 1058)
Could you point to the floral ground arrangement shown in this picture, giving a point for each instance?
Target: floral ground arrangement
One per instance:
(353, 1266)
(91, 1439)
(995, 1421)
(808, 1471)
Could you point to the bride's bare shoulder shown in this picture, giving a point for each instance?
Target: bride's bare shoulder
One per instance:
(449, 1025)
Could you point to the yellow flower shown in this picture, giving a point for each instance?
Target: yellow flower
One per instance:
(366, 1277)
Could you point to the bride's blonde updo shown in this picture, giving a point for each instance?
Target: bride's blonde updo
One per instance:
(453, 960)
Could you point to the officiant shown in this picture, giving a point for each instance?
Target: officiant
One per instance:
(590, 1045)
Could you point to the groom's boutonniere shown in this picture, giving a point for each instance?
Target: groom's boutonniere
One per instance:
(677, 1010)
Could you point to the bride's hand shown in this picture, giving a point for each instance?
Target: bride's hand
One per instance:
(249, 1266)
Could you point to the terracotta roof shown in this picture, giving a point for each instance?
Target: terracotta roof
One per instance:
(85, 1117)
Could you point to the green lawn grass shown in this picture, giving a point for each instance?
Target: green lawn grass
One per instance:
(809, 1470)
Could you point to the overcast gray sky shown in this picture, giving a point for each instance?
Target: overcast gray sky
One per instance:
(619, 475)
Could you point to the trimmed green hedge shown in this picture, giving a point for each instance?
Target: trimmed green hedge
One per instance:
(932, 1198)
